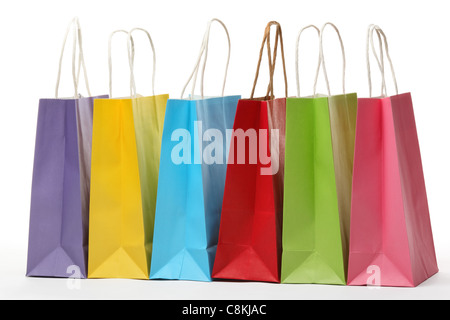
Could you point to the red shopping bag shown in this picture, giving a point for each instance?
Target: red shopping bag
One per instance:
(391, 242)
(250, 233)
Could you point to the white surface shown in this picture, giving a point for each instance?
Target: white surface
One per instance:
(14, 285)
(32, 33)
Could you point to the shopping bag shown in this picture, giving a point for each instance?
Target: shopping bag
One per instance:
(59, 217)
(148, 114)
(320, 134)
(191, 181)
(125, 162)
(391, 236)
(250, 232)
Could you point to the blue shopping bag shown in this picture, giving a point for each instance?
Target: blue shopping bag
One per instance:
(191, 183)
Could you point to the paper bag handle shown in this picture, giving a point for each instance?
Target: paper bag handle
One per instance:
(380, 61)
(323, 59)
(297, 58)
(77, 39)
(266, 40)
(204, 54)
(131, 61)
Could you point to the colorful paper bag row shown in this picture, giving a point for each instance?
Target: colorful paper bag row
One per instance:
(329, 190)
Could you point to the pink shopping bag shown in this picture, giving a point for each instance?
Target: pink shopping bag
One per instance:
(391, 241)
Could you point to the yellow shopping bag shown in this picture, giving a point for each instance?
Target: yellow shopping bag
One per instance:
(116, 237)
(149, 114)
(125, 163)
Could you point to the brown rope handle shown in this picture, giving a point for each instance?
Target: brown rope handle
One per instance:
(278, 38)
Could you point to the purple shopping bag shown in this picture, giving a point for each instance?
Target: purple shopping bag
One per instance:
(60, 191)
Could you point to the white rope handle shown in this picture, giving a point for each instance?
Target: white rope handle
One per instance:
(322, 58)
(77, 39)
(380, 60)
(131, 49)
(204, 52)
(297, 58)
(380, 63)
(130, 60)
(74, 78)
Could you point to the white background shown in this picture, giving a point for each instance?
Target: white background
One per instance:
(31, 38)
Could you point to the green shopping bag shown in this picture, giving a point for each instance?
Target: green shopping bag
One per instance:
(320, 135)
